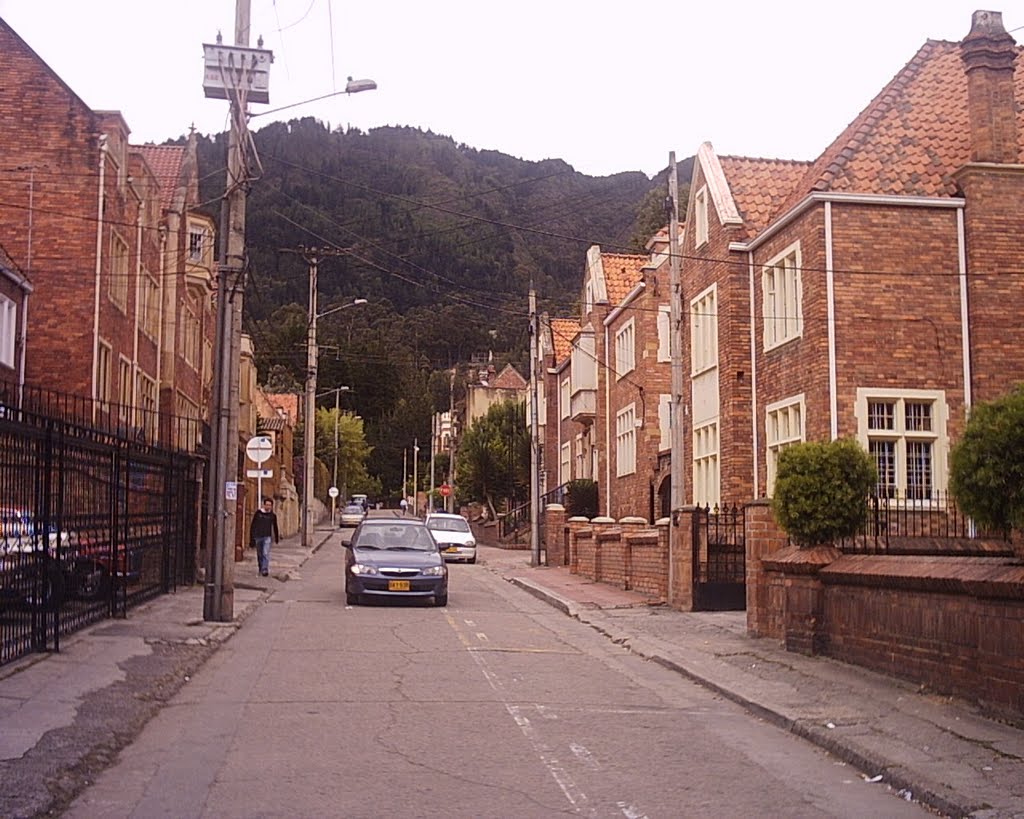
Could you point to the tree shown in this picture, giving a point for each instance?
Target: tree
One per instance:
(493, 459)
(821, 490)
(352, 450)
(987, 464)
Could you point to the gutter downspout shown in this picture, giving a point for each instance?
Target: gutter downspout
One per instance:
(607, 430)
(830, 286)
(160, 325)
(135, 322)
(753, 376)
(965, 316)
(99, 262)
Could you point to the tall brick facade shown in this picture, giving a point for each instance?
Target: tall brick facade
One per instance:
(95, 225)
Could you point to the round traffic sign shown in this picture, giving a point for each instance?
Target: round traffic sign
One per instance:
(333, 492)
(259, 448)
(446, 490)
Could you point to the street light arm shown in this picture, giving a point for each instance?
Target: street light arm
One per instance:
(355, 303)
(351, 87)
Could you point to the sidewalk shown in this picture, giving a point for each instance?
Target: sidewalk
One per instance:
(64, 716)
(937, 750)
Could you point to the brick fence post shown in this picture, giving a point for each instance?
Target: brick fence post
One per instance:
(554, 535)
(804, 600)
(680, 591)
(575, 524)
(629, 526)
(761, 536)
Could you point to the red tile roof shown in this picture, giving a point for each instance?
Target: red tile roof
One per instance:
(509, 379)
(760, 186)
(911, 136)
(622, 272)
(563, 331)
(166, 161)
(285, 401)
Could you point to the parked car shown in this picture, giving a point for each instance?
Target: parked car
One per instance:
(453, 535)
(388, 557)
(352, 515)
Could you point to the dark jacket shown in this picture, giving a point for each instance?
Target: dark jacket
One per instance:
(264, 524)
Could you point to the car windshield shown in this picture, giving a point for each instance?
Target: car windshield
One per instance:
(395, 537)
(352, 509)
(448, 524)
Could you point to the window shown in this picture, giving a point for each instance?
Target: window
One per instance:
(197, 241)
(147, 412)
(565, 466)
(581, 457)
(119, 271)
(784, 425)
(564, 399)
(103, 374)
(542, 398)
(704, 331)
(905, 435)
(664, 333)
(189, 342)
(149, 305)
(783, 301)
(8, 330)
(705, 465)
(665, 421)
(700, 219)
(588, 297)
(124, 389)
(625, 348)
(625, 441)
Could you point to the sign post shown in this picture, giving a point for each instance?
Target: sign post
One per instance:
(259, 448)
(333, 492)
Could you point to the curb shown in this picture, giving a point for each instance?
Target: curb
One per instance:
(892, 772)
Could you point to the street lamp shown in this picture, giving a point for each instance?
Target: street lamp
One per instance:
(309, 455)
(351, 87)
(337, 416)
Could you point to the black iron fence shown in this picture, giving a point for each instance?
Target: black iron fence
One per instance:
(897, 524)
(91, 523)
(719, 558)
(515, 519)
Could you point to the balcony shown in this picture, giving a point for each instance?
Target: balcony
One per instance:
(583, 406)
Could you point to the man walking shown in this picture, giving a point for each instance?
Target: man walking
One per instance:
(263, 531)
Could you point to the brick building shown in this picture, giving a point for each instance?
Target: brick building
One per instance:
(15, 290)
(873, 293)
(103, 232)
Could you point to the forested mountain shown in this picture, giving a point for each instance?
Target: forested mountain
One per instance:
(443, 241)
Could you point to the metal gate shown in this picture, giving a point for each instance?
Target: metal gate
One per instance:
(90, 525)
(719, 560)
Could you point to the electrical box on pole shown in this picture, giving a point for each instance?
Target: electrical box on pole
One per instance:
(244, 71)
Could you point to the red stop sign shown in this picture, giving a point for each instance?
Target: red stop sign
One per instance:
(446, 490)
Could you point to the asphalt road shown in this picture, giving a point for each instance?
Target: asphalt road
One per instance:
(495, 706)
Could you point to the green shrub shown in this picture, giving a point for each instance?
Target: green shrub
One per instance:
(821, 490)
(581, 498)
(986, 474)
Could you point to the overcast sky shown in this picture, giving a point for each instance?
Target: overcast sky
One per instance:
(606, 86)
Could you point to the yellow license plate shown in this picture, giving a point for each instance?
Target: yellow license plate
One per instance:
(452, 549)
(398, 585)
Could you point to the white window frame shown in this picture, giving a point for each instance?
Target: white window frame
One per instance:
(704, 331)
(625, 441)
(625, 348)
(104, 357)
(665, 422)
(148, 405)
(125, 382)
(782, 297)
(664, 333)
(706, 464)
(565, 398)
(700, 220)
(120, 270)
(8, 330)
(903, 439)
(580, 458)
(198, 237)
(149, 305)
(565, 463)
(785, 424)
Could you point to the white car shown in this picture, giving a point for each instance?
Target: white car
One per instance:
(453, 535)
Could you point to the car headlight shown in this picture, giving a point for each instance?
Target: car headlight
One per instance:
(434, 571)
(363, 568)
(471, 544)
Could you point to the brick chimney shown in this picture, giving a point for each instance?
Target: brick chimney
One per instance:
(988, 54)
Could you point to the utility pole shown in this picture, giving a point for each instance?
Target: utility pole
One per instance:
(405, 473)
(415, 475)
(535, 510)
(449, 502)
(433, 447)
(218, 597)
(334, 473)
(675, 354)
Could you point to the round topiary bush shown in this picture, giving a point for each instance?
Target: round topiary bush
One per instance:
(821, 490)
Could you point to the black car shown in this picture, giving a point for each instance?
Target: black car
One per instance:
(391, 557)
